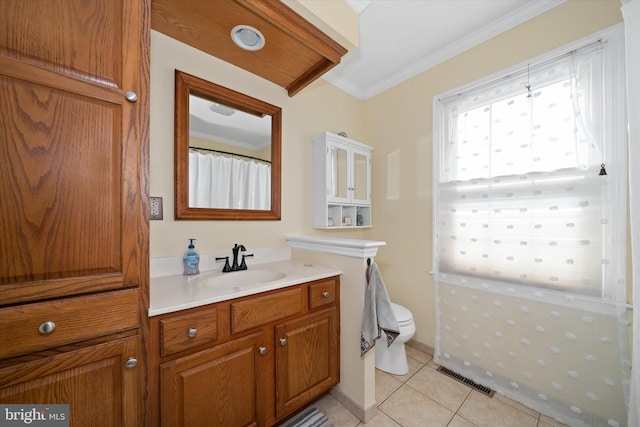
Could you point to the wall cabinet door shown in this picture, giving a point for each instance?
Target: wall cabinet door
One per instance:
(349, 174)
(94, 381)
(220, 386)
(307, 359)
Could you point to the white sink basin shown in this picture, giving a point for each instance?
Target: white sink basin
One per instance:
(243, 278)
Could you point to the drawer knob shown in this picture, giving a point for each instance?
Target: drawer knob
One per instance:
(192, 332)
(262, 350)
(283, 341)
(131, 363)
(131, 96)
(325, 294)
(47, 327)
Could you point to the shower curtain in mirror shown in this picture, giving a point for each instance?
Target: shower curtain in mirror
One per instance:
(530, 235)
(224, 182)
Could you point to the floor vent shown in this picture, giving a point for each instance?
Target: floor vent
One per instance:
(482, 389)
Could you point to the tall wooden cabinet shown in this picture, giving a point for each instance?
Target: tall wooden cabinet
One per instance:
(73, 206)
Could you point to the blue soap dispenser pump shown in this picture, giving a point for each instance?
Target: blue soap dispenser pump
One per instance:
(191, 259)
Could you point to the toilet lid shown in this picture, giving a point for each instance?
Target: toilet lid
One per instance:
(403, 315)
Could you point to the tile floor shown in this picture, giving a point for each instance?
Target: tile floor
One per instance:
(426, 398)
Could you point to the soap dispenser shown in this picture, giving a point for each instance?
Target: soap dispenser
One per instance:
(191, 259)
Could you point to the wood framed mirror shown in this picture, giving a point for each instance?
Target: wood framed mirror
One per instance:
(227, 153)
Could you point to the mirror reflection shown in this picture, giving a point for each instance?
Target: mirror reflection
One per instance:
(227, 153)
(229, 157)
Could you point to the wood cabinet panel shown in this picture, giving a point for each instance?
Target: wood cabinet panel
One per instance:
(307, 361)
(221, 386)
(75, 37)
(93, 381)
(257, 311)
(322, 293)
(187, 331)
(75, 319)
(73, 171)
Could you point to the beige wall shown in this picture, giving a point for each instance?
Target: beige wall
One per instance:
(317, 108)
(398, 124)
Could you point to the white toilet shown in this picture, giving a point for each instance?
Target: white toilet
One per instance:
(393, 359)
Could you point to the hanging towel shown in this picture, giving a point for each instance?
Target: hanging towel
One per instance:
(378, 315)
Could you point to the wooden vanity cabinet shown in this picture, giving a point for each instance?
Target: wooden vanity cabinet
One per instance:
(271, 354)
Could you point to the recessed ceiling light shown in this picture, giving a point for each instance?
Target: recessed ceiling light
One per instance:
(248, 38)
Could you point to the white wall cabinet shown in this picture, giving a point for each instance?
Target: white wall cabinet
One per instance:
(341, 182)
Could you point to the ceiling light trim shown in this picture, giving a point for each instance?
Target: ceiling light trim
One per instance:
(247, 37)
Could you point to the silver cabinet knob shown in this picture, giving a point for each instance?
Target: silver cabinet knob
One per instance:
(47, 327)
(192, 332)
(283, 341)
(131, 363)
(131, 96)
(325, 294)
(262, 350)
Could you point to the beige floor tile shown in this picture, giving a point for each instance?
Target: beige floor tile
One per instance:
(485, 411)
(410, 408)
(444, 390)
(458, 421)
(380, 420)
(337, 414)
(516, 405)
(548, 421)
(420, 356)
(414, 366)
(385, 385)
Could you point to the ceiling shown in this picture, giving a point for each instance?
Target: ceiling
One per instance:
(402, 38)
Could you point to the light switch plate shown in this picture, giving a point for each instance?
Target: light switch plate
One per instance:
(156, 208)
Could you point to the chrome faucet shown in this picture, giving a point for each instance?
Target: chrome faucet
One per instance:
(235, 267)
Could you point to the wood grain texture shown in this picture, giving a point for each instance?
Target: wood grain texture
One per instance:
(71, 201)
(259, 310)
(93, 381)
(293, 45)
(174, 331)
(308, 364)
(222, 386)
(76, 319)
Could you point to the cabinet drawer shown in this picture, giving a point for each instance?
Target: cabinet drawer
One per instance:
(188, 330)
(322, 293)
(35, 327)
(257, 311)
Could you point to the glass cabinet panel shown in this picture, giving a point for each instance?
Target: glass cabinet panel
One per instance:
(360, 190)
(339, 186)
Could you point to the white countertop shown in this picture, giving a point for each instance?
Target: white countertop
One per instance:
(174, 293)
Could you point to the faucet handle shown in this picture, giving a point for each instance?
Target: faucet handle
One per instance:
(243, 264)
(227, 267)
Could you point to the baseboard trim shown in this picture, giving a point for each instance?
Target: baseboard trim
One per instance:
(421, 346)
(364, 414)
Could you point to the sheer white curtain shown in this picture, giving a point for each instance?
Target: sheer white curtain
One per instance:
(529, 238)
(222, 182)
(631, 15)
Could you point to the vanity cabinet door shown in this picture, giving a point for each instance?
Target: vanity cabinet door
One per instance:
(307, 359)
(221, 386)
